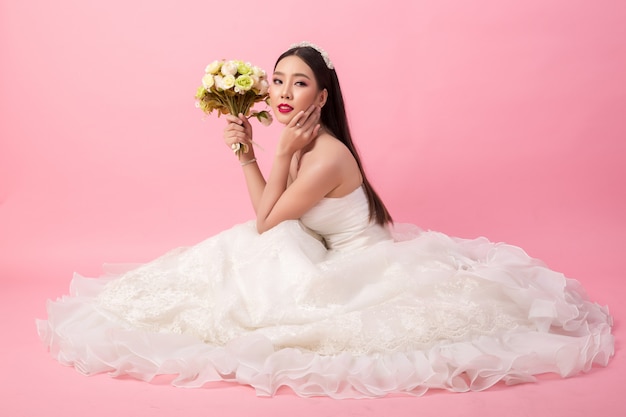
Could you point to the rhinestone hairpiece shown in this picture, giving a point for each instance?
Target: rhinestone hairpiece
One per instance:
(322, 52)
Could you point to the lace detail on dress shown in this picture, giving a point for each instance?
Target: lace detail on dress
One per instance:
(184, 292)
(156, 297)
(404, 323)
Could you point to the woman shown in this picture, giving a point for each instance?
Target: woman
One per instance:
(313, 160)
(320, 294)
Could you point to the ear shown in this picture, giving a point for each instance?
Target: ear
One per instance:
(323, 97)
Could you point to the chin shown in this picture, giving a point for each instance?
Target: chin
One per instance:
(281, 118)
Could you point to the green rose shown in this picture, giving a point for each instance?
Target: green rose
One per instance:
(243, 83)
(243, 68)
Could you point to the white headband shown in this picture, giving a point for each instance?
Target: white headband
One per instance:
(322, 52)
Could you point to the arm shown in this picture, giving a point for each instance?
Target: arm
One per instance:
(316, 176)
(273, 202)
(239, 130)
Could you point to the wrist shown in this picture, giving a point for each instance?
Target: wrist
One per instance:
(284, 153)
(247, 162)
(245, 156)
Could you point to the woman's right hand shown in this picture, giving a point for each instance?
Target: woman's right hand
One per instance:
(239, 130)
(300, 131)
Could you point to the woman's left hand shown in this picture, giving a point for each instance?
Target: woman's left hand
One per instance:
(300, 131)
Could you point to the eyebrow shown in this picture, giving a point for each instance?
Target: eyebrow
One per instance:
(297, 74)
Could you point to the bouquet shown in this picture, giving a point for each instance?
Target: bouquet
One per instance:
(234, 87)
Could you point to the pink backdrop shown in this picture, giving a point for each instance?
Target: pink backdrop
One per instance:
(504, 120)
(501, 118)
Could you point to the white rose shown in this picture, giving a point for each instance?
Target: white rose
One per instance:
(263, 87)
(229, 68)
(214, 67)
(208, 81)
(258, 72)
(219, 82)
(228, 81)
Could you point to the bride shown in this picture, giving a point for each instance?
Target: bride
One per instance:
(322, 293)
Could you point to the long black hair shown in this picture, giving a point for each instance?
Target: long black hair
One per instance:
(334, 119)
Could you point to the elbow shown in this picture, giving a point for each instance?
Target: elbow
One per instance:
(261, 226)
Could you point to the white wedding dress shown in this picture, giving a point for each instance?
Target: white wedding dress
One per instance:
(332, 305)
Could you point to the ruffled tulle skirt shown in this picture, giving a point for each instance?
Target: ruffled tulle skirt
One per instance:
(278, 309)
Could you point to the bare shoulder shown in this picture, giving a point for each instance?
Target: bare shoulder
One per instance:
(331, 163)
(328, 151)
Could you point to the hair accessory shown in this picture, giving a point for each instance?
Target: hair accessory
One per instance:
(322, 52)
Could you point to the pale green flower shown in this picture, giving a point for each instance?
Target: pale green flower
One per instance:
(244, 68)
(243, 83)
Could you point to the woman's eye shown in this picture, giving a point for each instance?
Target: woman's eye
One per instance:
(275, 81)
(301, 84)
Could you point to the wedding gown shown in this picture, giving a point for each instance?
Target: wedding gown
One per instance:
(332, 305)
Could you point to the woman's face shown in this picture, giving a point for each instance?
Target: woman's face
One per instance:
(293, 89)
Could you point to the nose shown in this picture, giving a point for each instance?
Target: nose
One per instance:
(285, 92)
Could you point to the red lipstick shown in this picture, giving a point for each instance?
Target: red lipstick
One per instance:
(284, 108)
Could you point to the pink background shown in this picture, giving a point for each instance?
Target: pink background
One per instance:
(500, 118)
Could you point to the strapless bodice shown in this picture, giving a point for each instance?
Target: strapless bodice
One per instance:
(344, 222)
